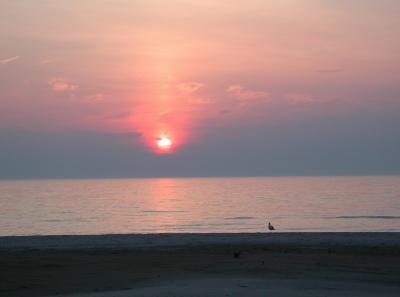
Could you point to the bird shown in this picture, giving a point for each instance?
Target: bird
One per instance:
(236, 255)
(270, 227)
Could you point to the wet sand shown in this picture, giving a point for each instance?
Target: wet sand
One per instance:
(279, 264)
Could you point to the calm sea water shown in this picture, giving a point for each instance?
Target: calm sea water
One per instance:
(199, 205)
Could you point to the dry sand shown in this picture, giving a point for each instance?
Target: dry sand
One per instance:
(279, 264)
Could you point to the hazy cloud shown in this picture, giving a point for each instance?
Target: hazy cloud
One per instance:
(94, 97)
(45, 61)
(200, 100)
(332, 70)
(120, 115)
(190, 87)
(132, 134)
(224, 111)
(61, 85)
(299, 97)
(9, 60)
(241, 93)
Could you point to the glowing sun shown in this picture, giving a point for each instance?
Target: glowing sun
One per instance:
(164, 143)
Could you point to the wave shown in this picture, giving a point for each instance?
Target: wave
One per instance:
(240, 218)
(162, 211)
(370, 217)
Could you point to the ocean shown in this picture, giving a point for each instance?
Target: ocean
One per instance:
(199, 205)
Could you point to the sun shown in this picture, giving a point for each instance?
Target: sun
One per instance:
(164, 143)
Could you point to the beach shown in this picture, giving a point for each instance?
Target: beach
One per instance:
(241, 264)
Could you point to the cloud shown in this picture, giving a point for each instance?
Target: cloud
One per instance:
(224, 111)
(61, 85)
(330, 70)
(45, 61)
(120, 115)
(94, 97)
(190, 87)
(132, 134)
(200, 100)
(299, 97)
(241, 93)
(9, 60)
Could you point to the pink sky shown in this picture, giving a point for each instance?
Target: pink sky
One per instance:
(191, 68)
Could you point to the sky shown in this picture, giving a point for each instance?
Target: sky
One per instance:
(89, 88)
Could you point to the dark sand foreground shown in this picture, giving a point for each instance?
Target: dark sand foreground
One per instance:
(278, 264)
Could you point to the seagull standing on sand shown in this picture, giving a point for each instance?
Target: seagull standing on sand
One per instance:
(270, 227)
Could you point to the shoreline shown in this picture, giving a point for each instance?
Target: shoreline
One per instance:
(169, 240)
(237, 264)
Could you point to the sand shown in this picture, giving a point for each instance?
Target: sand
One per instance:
(275, 264)
(236, 287)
